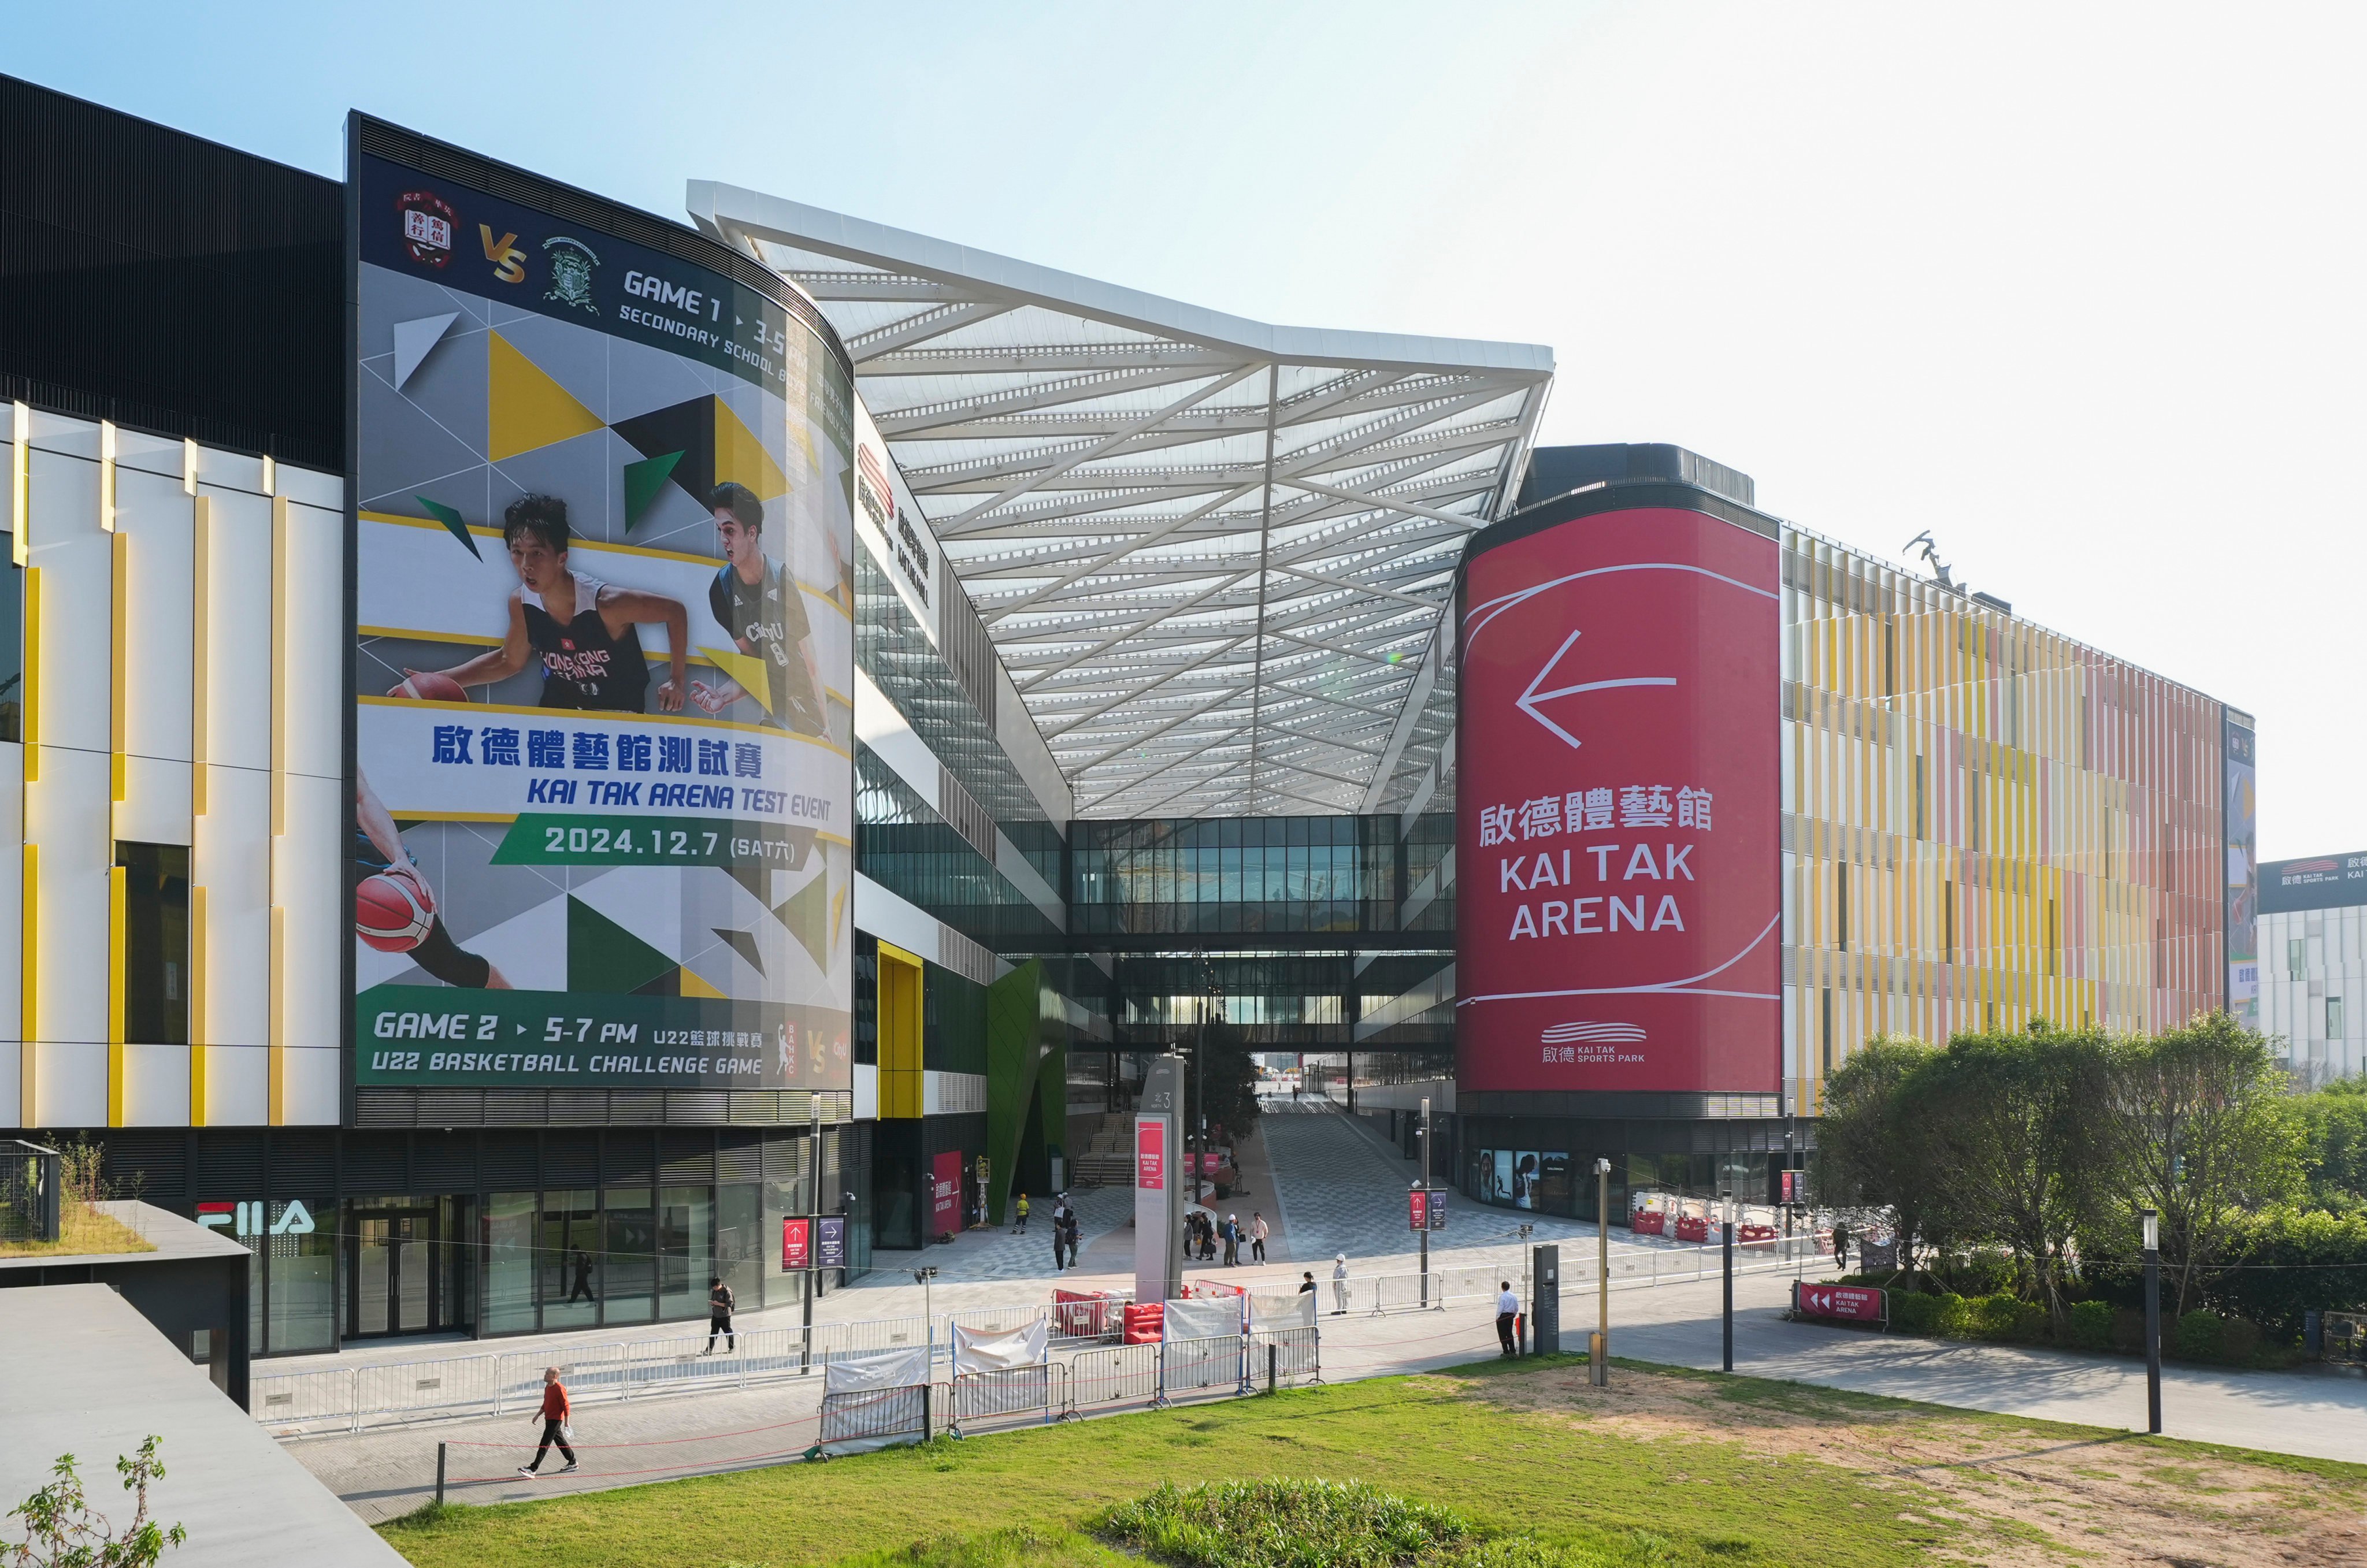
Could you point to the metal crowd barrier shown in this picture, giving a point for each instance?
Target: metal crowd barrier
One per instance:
(1009, 1393)
(1101, 1373)
(874, 1414)
(1286, 1357)
(1125, 1374)
(1187, 1367)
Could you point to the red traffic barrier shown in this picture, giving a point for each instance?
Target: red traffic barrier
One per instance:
(1644, 1222)
(1754, 1235)
(1144, 1321)
(1852, 1304)
(1691, 1228)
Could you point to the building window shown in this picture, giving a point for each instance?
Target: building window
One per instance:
(2334, 1018)
(1825, 1012)
(1841, 906)
(155, 942)
(2297, 957)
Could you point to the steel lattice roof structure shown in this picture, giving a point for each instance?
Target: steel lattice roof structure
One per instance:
(1213, 553)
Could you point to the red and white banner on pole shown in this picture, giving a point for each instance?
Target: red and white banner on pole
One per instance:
(1853, 1304)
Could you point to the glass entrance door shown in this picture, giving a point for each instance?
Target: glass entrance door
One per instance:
(393, 1271)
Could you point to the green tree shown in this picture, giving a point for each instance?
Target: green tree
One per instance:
(2200, 1131)
(2009, 1126)
(2334, 1125)
(62, 1531)
(1871, 1153)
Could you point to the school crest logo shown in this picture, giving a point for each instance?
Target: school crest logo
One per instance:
(571, 264)
(427, 224)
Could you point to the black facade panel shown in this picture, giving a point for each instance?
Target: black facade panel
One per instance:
(150, 1165)
(628, 1157)
(686, 1156)
(304, 1159)
(377, 1163)
(444, 1162)
(229, 1163)
(168, 282)
(507, 1161)
(571, 1160)
(740, 1156)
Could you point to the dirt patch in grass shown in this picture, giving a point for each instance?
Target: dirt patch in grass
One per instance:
(2051, 1493)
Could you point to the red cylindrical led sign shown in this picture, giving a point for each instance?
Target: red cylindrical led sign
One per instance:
(1619, 900)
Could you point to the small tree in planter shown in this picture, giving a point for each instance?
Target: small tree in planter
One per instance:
(62, 1531)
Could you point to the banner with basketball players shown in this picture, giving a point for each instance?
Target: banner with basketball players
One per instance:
(604, 803)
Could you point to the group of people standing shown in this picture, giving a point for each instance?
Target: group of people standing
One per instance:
(1065, 1230)
(1203, 1234)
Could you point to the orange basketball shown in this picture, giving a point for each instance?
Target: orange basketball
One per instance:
(389, 915)
(428, 686)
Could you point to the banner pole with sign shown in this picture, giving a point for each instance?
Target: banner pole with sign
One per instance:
(1157, 1196)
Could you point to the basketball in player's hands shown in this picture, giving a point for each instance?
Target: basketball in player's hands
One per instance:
(413, 879)
(428, 686)
(389, 913)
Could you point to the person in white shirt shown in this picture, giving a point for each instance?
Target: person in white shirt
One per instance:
(1508, 1316)
(1257, 1236)
(1340, 1286)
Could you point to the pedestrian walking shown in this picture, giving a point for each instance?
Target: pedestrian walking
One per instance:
(1841, 1246)
(1232, 1241)
(1071, 1230)
(718, 1316)
(1508, 1316)
(1022, 1228)
(1207, 1238)
(558, 1424)
(1340, 1286)
(1257, 1234)
(1061, 1214)
(1307, 1283)
(582, 1286)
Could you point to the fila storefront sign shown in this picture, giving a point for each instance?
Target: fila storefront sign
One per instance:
(245, 1220)
(1620, 906)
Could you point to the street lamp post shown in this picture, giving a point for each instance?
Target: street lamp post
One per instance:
(2153, 1317)
(1598, 1361)
(1527, 1232)
(1729, 1342)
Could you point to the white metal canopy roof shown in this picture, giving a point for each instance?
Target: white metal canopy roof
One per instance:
(1211, 552)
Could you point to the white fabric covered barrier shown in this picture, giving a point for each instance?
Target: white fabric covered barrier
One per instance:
(993, 1349)
(1274, 1314)
(1201, 1320)
(888, 1369)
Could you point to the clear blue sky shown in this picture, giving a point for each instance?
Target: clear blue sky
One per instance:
(2078, 288)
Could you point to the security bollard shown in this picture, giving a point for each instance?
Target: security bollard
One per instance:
(1271, 1350)
(440, 1475)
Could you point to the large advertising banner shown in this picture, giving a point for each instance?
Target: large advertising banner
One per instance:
(604, 643)
(2240, 818)
(1620, 907)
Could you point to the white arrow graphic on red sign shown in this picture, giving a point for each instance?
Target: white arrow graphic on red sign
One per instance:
(1527, 701)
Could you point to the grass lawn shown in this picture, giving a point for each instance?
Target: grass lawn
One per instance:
(1668, 1467)
(82, 1230)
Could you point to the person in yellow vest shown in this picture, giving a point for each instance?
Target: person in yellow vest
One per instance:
(1020, 1229)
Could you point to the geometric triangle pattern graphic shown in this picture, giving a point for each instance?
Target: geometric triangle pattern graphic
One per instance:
(524, 408)
(453, 523)
(744, 943)
(684, 432)
(604, 957)
(414, 339)
(807, 914)
(755, 676)
(643, 481)
(741, 457)
(710, 445)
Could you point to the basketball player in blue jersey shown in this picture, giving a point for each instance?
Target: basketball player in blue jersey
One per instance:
(585, 632)
(761, 605)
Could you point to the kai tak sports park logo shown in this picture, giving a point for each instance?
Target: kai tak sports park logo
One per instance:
(428, 222)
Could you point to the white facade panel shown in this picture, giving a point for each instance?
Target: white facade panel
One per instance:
(308, 875)
(153, 515)
(312, 664)
(70, 1084)
(238, 1085)
(76, 561)
(155, 805)
(66, 817)
(156, 1086)
(237, 662)
(231, 860)
(11, 1079)
(12, 901)
(310, 1087)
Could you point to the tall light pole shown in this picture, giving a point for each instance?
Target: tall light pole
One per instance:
(1421, 1136)
(1598, 1363)
(2153, 1317)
